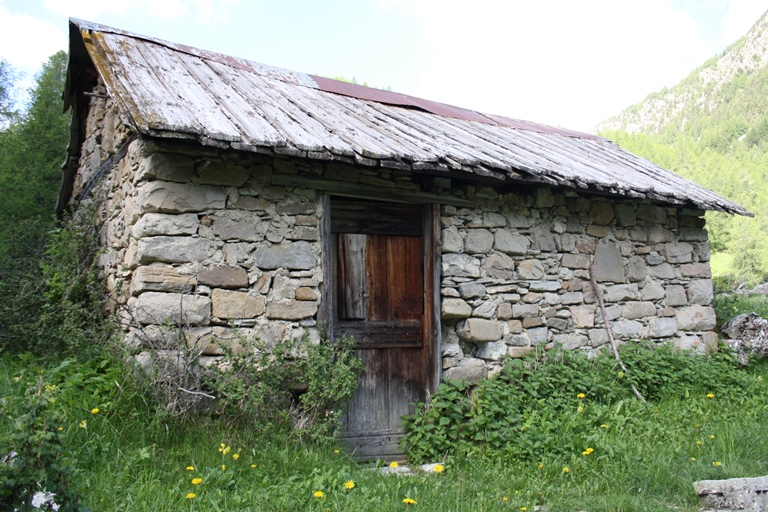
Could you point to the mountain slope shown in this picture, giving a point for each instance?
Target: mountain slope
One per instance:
(712, 128)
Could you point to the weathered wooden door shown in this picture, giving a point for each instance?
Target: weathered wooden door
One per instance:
(383, 296)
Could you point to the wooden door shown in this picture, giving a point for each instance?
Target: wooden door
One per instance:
(383, 297)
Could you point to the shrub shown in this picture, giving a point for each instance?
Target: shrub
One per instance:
(557, 406)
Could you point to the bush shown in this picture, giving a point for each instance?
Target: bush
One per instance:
(546, 408)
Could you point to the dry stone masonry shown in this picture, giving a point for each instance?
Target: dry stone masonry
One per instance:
(200, 237)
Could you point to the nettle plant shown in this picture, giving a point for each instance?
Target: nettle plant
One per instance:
(565, 403)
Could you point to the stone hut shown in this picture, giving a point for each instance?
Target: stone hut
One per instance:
(242, 200)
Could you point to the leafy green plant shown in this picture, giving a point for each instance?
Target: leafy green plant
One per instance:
(536, 409)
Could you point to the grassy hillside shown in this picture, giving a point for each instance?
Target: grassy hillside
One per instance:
(712, 128)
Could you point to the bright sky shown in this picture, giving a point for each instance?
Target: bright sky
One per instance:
(560, 62)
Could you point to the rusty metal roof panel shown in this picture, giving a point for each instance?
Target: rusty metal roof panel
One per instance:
(167, 89)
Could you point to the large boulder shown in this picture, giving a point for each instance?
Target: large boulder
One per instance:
(747, 335)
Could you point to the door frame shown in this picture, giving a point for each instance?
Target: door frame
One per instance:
(432, 271)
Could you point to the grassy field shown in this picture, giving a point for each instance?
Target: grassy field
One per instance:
(125, 456)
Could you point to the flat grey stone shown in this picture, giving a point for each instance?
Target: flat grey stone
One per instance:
(167, 197)
(172, 249)
(478, 241)
(455, 308)
(179, 309)
(508, 243)
(292, 256)
(470, 369)
(479, 330)
(154, 224)
(460, 265)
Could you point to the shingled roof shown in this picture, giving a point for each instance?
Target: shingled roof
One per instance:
(170, 90)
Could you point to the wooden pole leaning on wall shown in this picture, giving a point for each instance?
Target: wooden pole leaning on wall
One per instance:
(601, 303)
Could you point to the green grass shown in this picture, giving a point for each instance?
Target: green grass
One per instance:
(721, 263)
(128, 458)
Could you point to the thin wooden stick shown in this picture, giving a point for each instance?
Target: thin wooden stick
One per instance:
(601, 303)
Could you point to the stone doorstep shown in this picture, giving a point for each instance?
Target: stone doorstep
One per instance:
(750, 494)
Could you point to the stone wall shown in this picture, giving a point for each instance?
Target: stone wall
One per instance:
(200, 237)
(516, 277)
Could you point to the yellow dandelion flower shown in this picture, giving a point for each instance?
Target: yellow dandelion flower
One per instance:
(349, 485)
(393, 464)
(523, 508)
(693, 458)
(717, 463)
(236, 456)
(517, 492)
(61, 428)
(409, 501)
(581, 395)
(698, 442)
(253, 466)
(319, 494)
(223, 467)
(581, 409)
(191, 495)
(95, 410)
(710, 395)
(226, 450)
(566, 470)
(84, 424)
(504, 499)
(336, 451)
(603, 426)
(712, 436)
(16, 379)
(190, 468)
(621, 375)
(759, 377)
(197, 481)
(222, 445)
(438, 468)
(588, 451)
(541, 466)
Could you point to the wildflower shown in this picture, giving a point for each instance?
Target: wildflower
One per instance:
(712, 436)
(717, 463)
(191, 495)
(438, 468)
(566, 470)
(319, 494)
(710, 395)
(523, 508)
(588, 451)
(541, 466)
(223, 467)
(197, 481)
(190, 468)
(95, 410)
(393, 464)
(759, 377)
(580, 409)
(253, 466)
(83, 424)
(603, 426)
(504, 499)
(16, 379)
(693, 458)
(336, 451)
(409, 501)
(236, 456)
(226, 450)
(349, 485)
(698, 442)
(621, 375)
(60, 429)
(581, 395)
